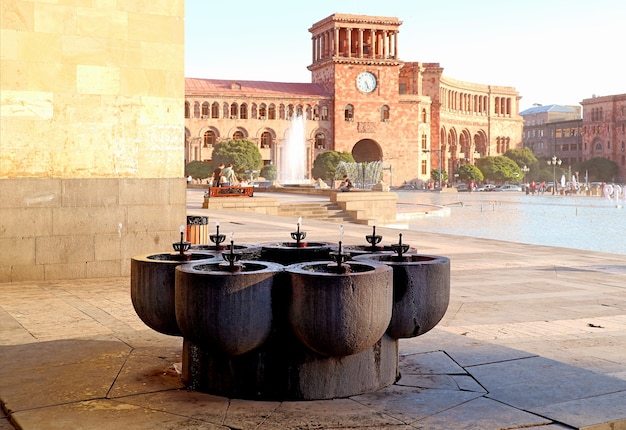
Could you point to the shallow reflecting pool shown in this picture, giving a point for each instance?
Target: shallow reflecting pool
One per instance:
(586, 223)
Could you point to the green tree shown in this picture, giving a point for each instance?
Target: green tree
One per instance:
(526, 157)
(325, 165)
(241, 152)
(523, 157)
(434, 175)
(499, 169)
(469, 172)
(198, 169)
(598, 169)
(269, 172)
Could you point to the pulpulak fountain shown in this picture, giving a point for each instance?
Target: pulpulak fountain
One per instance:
(275, 328)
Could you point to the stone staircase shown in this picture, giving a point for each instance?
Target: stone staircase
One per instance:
(322, 211)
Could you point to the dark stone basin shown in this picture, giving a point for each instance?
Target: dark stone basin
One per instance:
(152, 278)
(339, 314)
(289, 252)
(421, 291)
(248, 252)
(230, 312)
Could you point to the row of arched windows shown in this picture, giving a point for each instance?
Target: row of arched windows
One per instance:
(503, 144)
(262, 111)
(502, 106)
(209, 139)
(464, 102)
(596, 114)
(475, 103)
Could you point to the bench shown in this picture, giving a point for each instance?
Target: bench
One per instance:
(231, 191)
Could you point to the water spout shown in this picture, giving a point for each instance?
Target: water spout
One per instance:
(293, 166)
(363, 175)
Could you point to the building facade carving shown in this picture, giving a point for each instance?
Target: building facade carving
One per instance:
(364, 100)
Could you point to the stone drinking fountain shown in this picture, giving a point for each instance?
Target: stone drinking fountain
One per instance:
(152, 284)
(297, 251)
(292, 329)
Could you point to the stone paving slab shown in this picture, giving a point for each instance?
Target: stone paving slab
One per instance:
(515, 349)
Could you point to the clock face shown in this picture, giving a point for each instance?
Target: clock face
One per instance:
(366, 82)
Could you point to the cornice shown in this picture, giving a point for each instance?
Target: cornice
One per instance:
(355, 61)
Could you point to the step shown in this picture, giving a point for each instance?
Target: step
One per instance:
(320, 211)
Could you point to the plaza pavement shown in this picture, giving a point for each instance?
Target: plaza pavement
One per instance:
(534, 337)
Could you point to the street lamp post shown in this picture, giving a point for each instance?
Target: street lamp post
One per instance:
(554, 162)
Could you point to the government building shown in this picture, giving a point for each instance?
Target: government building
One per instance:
(362, 99)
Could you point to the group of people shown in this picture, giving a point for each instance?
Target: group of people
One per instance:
(535, 187)
(224, 176)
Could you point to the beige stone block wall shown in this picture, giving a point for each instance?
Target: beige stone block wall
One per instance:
(85, 228)
(91, 137)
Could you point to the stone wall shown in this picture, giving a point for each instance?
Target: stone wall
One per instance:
(92, 135)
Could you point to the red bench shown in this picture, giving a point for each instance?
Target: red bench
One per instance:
(231, 191)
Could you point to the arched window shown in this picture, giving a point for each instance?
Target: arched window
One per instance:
(262, 111)
(348, 114)
(281, 111)
(324, 116)
(209, 139)
(266, 140)
(205, 110)
(243, 111)
(316, 113)
(234, 111)
(187, 110)
(320, 141)
(225, 110)
(271, 112)
(384, 113)
(237, 135)
(196, 110)
(290, 112)
(215, 110)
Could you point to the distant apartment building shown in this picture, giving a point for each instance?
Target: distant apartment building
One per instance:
(604, 130)
(362, 99)
(554, 130)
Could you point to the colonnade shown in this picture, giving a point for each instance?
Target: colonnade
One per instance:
(355, 43)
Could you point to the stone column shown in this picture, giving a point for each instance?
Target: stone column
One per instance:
(395, 42)
(385, 44)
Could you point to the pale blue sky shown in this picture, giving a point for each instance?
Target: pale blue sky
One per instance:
(551, 51)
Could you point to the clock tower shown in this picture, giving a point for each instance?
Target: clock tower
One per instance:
(355, 58)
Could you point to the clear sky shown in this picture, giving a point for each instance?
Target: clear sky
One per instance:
(550, 51)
